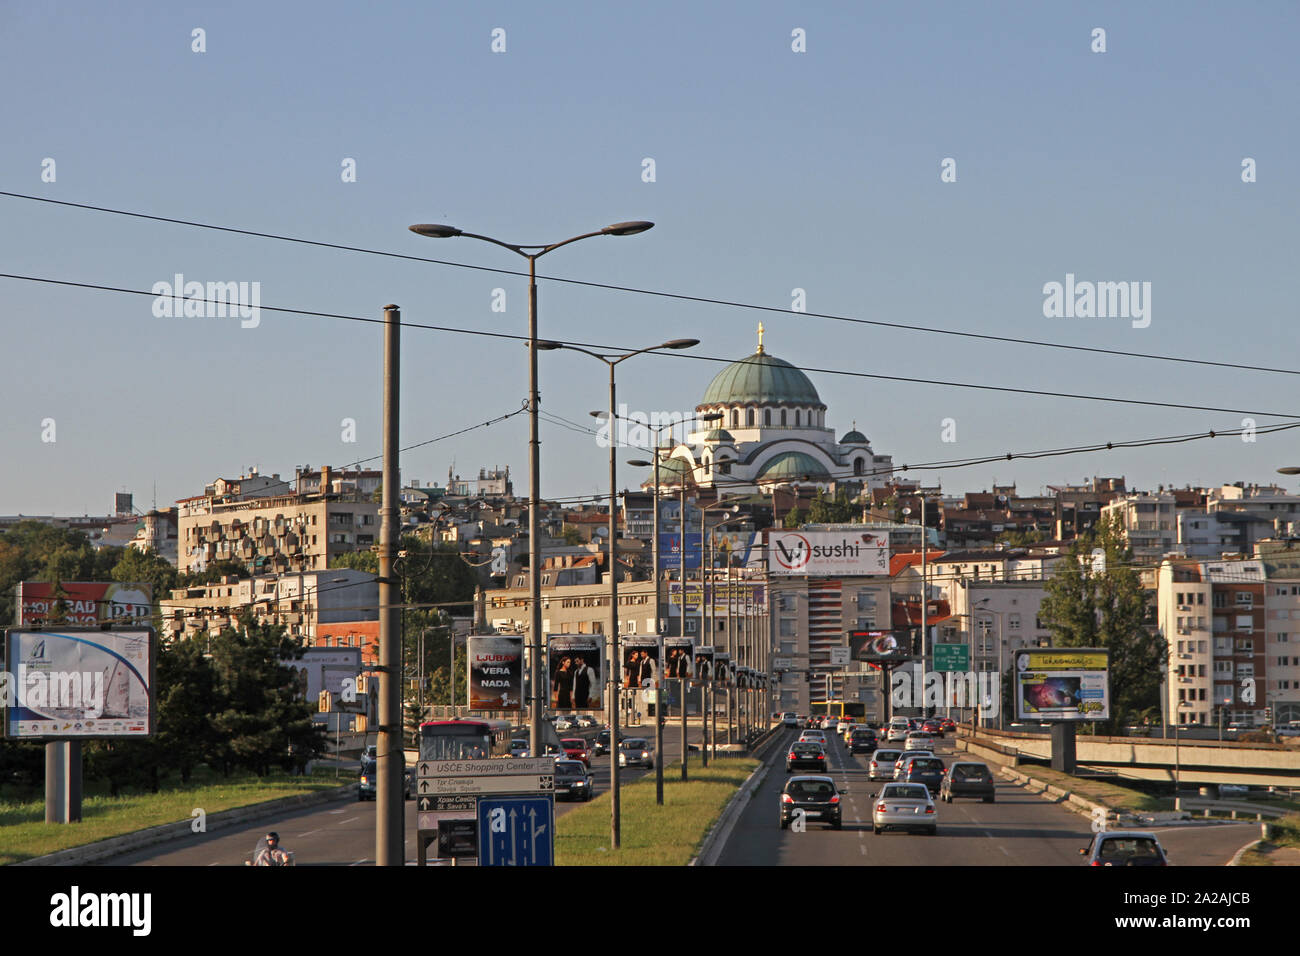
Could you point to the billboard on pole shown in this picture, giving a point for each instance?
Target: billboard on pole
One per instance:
(70, 603)
(679, 658)
(640, 662)
(576, 663)
(496, 672)
(878, 645)
(78, 682)
(828, 553)
(1065, 683)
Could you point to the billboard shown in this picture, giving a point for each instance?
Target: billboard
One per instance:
(1065, 683)
(495, 674)
(828, 553)
(575, 663)
(78, 682)
(733, 597)
(879, 645)
(726, 547)
(679, 658)
(641, 658)
(72, 603)
(723, 668)
(704, 662)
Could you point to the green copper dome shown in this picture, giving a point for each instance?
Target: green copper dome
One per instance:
(854, 437)
(794, 464)
(761, 379)
(720, 435)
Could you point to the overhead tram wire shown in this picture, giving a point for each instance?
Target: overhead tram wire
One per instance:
(1077, 396)
(681, 297)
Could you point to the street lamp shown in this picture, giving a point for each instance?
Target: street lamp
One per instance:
(1001, 671)
(532, 252)
(613, 702)
(707, 604)
(659, 688)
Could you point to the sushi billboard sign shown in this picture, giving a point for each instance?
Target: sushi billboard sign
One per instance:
(78, 683)
(1066, 683)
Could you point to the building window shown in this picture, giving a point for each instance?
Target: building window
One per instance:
(783, 417)
(767, 416)
(749, 418)
(735, 418)
(796, 418)
(859, 467)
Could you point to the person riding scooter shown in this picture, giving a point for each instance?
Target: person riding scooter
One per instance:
(269, 852)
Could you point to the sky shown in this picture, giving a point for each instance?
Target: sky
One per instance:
(793, 147)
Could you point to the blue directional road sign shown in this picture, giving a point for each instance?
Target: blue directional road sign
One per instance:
(516, 831)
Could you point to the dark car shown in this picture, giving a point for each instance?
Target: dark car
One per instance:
(863, 742)
(573, 780)
(967, 779)
(816, 797)
(805, 756)
(602, 742)
(575, 748)
(926, 770)
(1124, 848)
(933, 726)
(367, 788)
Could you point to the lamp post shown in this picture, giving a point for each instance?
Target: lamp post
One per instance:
(532, 252)
(707, 615)
(998, 615)
(613, 703)
(1182, 705)
(662, 679)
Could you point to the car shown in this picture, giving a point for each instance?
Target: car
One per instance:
(919, 740)
(368, 785)
(575, 748)
(602, 742)
(637, 751)
(815, 796)
(789, 720)
(519, 747)
(881, 765)
(585, 720)
(801, 721)
(967, 778)
(573, 780)
(831, 724)
(904, 805)
(1124, 848)
(927, 770)
(863, 742)
(805, 756)
(1233, 791)
(897, 732)
(563, 722)
(948, 725)
(933, 726)
(905, 756)
(814, 736)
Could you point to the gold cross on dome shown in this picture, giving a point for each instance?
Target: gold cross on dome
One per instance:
(760, 338)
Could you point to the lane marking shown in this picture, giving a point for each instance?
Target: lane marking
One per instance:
(349, 820)
(310, 832)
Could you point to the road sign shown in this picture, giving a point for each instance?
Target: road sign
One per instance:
(952, 657)
(516, 831)
(448, 803)
(504, 767)
(839, 656)
(532, 783)
(782, 663)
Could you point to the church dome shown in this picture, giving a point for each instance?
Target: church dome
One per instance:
(854, 437)
(720, 435)
(794, 465)
(761, 379)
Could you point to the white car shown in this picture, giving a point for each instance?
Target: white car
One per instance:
(897, 730)
(586, 720)
(563, 722)
(919, 740)
(519, 747)
(904, 805)
(815, 736)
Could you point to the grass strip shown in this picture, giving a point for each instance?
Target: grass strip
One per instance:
(1099, 791)
(24, 834)
(651, 835)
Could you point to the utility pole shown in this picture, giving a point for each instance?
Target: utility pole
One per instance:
(390, 841)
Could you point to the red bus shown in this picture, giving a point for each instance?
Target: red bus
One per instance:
(466, 739)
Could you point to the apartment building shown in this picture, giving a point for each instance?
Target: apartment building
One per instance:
(1148, 522)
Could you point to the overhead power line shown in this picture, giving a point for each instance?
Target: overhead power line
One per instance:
(943, 383)
(682, 297)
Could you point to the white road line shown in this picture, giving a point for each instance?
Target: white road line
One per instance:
(310, 832)
(863, 847)
(349, 820)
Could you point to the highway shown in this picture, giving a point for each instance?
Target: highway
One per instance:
(1018, 829)
(343, 833)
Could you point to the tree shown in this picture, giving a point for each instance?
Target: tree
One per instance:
(571, 535)
(1091, 606)
(837, 510)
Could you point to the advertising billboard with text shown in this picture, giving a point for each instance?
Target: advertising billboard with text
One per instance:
(1063, 683)
(828, 553)
(496, 672)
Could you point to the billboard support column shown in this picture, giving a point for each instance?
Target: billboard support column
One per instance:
(63, 781)
(1063, 752)
(390, 818)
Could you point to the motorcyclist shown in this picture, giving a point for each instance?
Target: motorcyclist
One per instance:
(269, 852)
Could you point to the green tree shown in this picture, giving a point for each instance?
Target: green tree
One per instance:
(571, 535)
(357, 561)
(837, 510)
(213, 572)
(794, 517)
(1086, 606)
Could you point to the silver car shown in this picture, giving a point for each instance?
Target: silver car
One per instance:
(881, 766)
(904, 805)
(919, 740)
(637, 751)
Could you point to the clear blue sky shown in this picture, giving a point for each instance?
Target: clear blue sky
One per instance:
(774, 170)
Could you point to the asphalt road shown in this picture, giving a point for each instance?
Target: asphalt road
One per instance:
(1018, 829)
(343, 833)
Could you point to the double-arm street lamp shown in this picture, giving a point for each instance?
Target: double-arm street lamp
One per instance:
(532, 252)
(612, 360)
